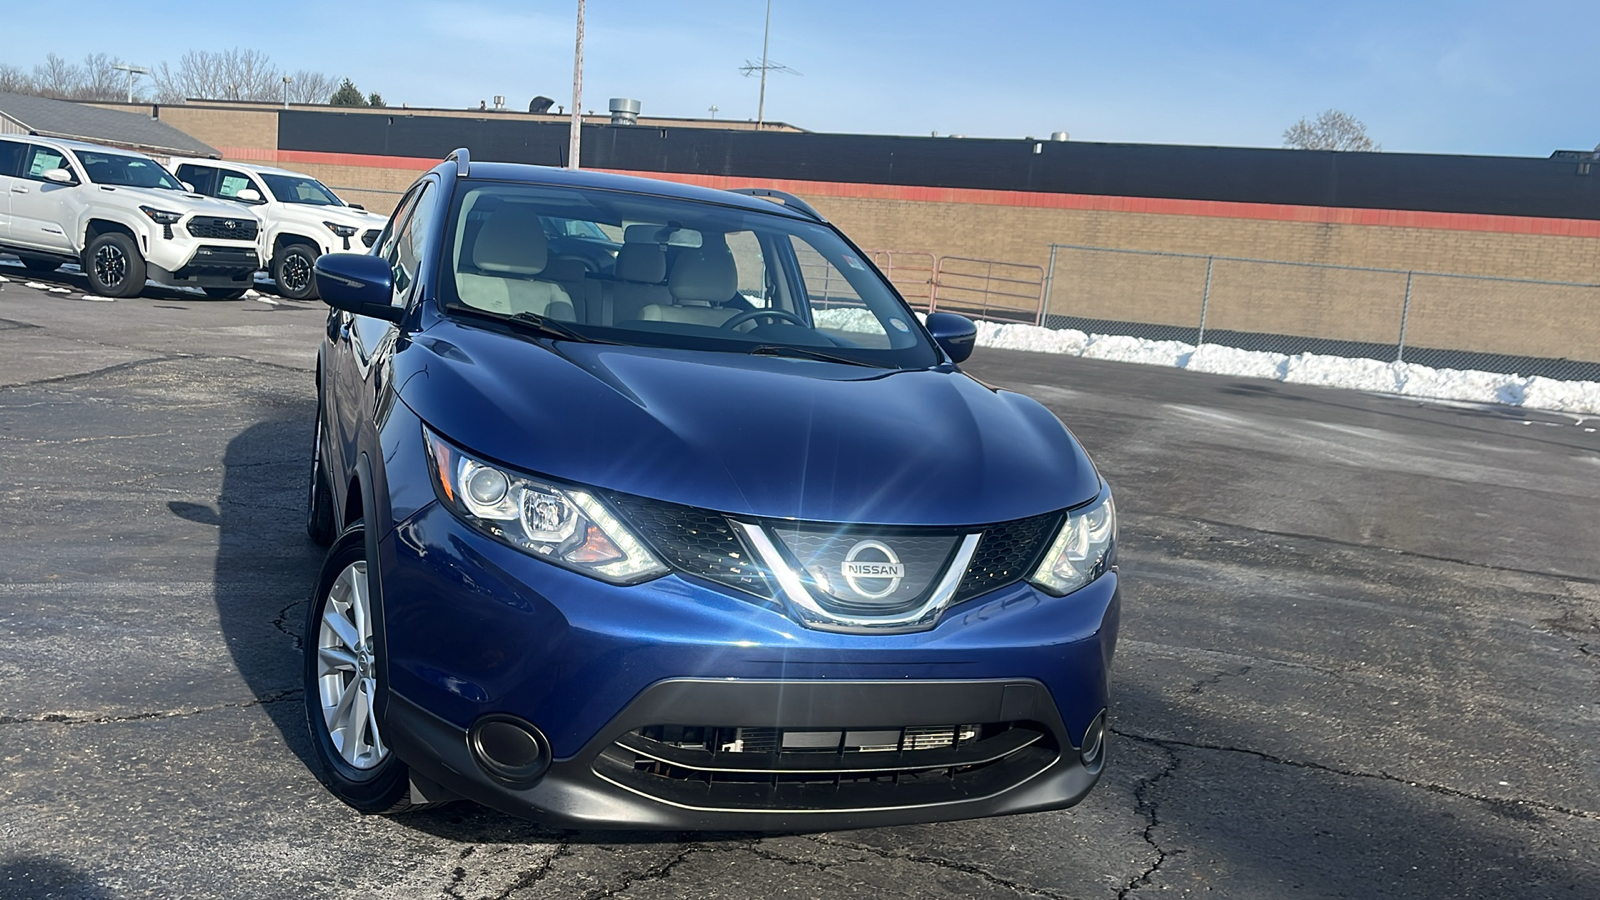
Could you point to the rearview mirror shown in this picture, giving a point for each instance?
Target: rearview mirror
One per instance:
(249, 195)
(358, 283)
(59, 176)
(954, 334)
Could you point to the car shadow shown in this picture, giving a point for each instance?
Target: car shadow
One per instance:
(265, 565)
(38, 877)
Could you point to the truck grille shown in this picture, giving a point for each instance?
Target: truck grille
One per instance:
(833, 769)
(218, 227)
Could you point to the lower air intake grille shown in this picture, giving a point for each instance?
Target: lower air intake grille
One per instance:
(1007, 554)
(774, 768)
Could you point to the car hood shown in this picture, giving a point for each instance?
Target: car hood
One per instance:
(179, 202)
(758, 436)
(342, 215)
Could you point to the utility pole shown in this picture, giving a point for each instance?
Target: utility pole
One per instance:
(286, 80)
(575, 135)
(766, 36)
(132, 72)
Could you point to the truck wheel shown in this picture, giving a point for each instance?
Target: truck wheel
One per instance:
(113, 266)
(40, 264)
(291, 270)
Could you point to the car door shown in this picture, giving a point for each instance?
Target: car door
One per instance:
(357, 340)
(10, 158)
(42, 213)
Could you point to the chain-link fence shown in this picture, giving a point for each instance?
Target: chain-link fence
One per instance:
(1439, 319)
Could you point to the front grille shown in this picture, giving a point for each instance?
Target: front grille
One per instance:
(369, 237)
(695, 541)
(823, 551)
(222, 228)
(812, 768)
(1006, 554)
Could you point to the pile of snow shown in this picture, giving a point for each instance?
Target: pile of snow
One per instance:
(1405, 379)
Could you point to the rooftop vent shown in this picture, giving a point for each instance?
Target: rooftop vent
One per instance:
(540, 104)
(624, 111)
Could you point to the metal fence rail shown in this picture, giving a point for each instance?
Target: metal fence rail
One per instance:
(989, 289)
(1442, 319)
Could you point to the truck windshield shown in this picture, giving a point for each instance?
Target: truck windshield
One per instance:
(126, 171)
(300, 189)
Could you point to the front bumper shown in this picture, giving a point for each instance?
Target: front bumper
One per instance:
(475, 628)
(202, 265)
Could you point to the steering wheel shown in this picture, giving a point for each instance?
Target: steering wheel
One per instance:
(750, 315)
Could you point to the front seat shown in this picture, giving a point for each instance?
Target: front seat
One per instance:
(509, 251)
(702, 280)
(641, 269)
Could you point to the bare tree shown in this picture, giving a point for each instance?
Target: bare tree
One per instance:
(219, 75)
(311, 87)
(1331, 130)
(97, 80)
(55, 77)
(15, 81)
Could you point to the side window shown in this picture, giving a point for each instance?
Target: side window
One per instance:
(229, 184)
(204, 178)
(10, 157)
(752, 267)
(405, 251)
(40, 160)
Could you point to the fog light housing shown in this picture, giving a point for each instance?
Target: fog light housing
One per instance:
(509, 749)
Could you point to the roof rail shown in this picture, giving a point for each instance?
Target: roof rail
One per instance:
(782, 197)
(463, 161)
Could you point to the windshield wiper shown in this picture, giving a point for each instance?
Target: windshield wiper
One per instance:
(807, 353)
(542, 325)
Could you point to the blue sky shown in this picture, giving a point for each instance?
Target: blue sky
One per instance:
(1467, 77)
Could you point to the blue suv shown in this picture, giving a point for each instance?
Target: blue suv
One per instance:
(653, 506)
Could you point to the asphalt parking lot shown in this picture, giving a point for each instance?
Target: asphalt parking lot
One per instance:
(1360, 653)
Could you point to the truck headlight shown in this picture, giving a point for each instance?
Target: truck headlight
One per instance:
(1084, 548)
(344, 231)
(562, 525)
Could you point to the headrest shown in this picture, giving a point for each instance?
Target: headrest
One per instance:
(704, 275)
(643, 233)
(564, 268)
(645, 263)
(511, 240)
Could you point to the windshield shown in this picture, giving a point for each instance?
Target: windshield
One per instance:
(127, 171)
(300, 189)
(673, 273)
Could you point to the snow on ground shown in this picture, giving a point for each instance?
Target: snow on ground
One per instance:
(1405, 379)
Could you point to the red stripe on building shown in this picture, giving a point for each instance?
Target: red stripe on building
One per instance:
(1222, 209)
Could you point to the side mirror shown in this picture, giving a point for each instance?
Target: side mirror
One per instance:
(955, 334)
(248, 195)
(59, 176)
(188, 187)
(358, 283)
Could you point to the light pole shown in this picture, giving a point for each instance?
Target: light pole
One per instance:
(286, 81)
(761, 105)
(133, 71)
(574, 136)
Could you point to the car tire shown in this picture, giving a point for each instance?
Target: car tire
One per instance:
(291, 272)
(40, 264)
(113, 265)
(343, 684)
(319, 499)
(225, 293)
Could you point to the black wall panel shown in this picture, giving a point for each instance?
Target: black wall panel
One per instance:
(1463, 184)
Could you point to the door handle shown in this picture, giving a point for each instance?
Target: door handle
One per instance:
(19, 189)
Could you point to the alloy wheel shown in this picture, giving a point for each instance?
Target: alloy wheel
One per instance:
(347, 672)
(296, 272)
(110, 265)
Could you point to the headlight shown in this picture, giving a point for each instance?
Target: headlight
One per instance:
(562, 525)
(343, 231)
(1083, 550)
(161, 216)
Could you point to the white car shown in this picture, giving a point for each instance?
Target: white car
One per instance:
(302, 218)
(122, 217)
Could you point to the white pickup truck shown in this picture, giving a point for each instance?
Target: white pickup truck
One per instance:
(302, 219)
(121, 217)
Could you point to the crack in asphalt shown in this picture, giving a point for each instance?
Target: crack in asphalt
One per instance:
(654, 873)
(940, 863)
(1200, 686)
(1150, 809)
(95, 373)
(1501, 802)
(1412, 554)
(281, 622)
(64, 719)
